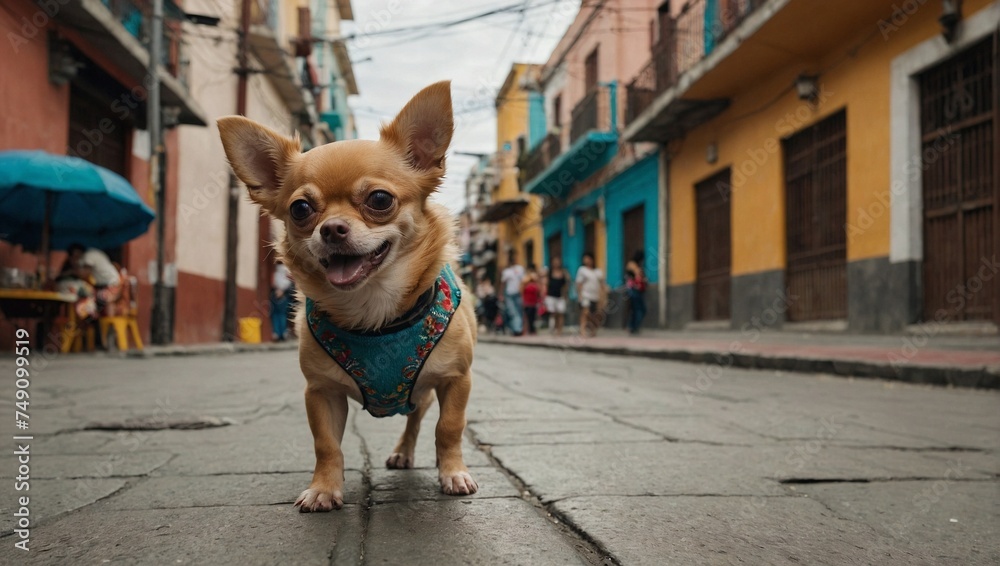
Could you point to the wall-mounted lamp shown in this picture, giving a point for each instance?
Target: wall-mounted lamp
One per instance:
(951, 14)
(807, 87)
(171, 116)
(63, 66)
(712, 153)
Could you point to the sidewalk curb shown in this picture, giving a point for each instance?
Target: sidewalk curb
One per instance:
(982, 377)
(210, 349)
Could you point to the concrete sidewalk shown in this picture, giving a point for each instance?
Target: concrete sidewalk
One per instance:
(962, 361)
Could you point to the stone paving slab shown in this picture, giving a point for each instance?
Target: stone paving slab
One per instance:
(544, 431)
(725, 530)
(123, 464)
(78, 442)
(951, 522)
(422, 485)
(555, 472)
(659, 468)
(695, 428)
(49, 498)
(169, 492)
(464, 531)
(209, 535)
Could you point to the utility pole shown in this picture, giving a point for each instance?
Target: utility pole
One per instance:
(232, 221)
(160, 331)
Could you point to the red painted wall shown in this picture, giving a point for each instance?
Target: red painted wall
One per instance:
(36, 116)
(199, 305)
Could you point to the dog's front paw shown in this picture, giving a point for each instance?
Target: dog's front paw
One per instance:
(399, 461)
(458, 483)
(315, 500)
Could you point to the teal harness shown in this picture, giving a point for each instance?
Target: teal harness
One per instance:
(385, 364)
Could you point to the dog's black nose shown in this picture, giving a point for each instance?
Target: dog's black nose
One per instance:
(334, 231)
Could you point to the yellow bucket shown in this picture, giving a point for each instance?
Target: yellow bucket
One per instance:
(250, 330)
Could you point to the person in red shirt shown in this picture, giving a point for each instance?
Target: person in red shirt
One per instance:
(531, 295)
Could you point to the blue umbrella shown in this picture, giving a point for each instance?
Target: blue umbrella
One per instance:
(70, 198)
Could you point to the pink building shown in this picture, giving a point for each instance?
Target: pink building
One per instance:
(600, 192)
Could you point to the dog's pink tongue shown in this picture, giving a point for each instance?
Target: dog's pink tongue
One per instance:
(345, 269)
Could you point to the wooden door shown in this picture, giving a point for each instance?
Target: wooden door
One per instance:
(815, 215)
(714, 247)
(633, 232)
(958, 122)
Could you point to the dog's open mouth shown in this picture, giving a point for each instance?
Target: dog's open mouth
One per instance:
(344, 270)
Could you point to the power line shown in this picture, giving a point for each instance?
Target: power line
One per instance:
(519, 7)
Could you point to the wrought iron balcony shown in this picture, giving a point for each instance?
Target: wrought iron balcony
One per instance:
(133, 16)
(532, 163)
(594, 112)
(685, 40)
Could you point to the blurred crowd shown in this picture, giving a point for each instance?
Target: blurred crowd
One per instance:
(531, 298)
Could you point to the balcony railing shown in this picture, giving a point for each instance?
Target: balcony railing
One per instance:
(539, 158)
(591, 113)
(264, 13)
(657, 76)
(684, 41)
(133, 16)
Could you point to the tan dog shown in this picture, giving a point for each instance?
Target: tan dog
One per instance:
(366, 247)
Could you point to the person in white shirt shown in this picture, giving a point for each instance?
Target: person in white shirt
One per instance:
(511, 278)
(590, 286)
(102, 270)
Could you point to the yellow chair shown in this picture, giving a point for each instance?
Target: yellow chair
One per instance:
(123, 325)
(73, 335)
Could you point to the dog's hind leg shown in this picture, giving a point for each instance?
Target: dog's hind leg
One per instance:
(402, 455)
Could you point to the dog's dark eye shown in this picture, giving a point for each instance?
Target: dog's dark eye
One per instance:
(300, 210)
(379, 200)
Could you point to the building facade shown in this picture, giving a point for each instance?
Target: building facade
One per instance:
(75, 82)
(477, 238)
(599, 191)
(294, 80)
(826, 164)
(82, 92)
(515, 213)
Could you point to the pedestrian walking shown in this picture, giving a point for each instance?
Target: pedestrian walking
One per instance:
(531, 295)
(590, 287)
(555, 295)
(511, 279)
(281, 286)
(488, 303)
(635, 288)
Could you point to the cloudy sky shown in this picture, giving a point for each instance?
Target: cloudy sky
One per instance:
(475, 56)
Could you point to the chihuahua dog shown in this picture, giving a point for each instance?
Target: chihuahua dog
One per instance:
(384, 321)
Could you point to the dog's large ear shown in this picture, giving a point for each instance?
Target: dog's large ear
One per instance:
(259, 156)
(423, 128)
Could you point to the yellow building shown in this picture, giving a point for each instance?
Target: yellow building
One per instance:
(826, 161)
(519, 227)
